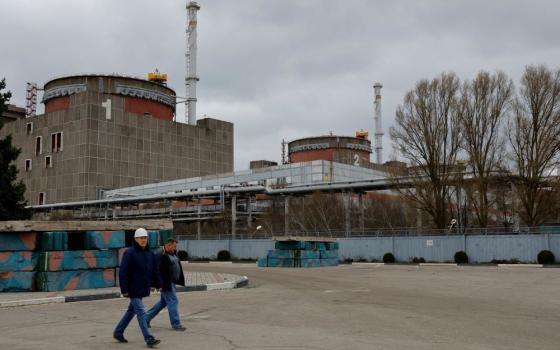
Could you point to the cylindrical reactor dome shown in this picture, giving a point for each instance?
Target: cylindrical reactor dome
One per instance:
(342, 149)
(140, 96)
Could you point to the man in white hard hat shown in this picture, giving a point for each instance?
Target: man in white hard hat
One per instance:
(138, 274)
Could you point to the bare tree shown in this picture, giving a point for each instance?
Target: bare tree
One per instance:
(483, 110)
(534, 136)
(318, 212)
(387, 211)
(427, 135)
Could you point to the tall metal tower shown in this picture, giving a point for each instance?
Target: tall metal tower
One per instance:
(378, 129)
(284, 158)
(31, 100)
(190, 58)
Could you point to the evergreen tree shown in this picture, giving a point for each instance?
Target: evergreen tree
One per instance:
(12, 200)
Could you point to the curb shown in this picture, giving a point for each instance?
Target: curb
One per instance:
(220, 286)
(453, 265)
(116, 295)
(75, 298)
(198, 288)
(39, 301)
(417, 265)
(243, 283)
(367, 264)
(521, 265)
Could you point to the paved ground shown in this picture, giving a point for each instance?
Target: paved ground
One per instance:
(347, 307)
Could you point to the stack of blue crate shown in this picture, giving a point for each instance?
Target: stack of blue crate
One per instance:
(17, 261)
(300, 253)
(91, 266)
(61, 260)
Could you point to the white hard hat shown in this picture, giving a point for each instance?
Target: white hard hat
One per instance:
(141, 232)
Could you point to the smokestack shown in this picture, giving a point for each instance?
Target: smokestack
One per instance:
(378, 129)
(190, 55)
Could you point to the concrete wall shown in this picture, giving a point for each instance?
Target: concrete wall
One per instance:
(240, 249)
(480, 249)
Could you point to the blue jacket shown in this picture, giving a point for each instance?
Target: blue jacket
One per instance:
(138, 272)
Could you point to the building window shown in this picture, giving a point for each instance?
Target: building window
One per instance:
(42, 198)
(38, 145)
(48, 162)
(59, 140)
(56, 142)
(29, 128)
(28, 165)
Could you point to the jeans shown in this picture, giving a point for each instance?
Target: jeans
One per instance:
(136, 307)
(170, 300)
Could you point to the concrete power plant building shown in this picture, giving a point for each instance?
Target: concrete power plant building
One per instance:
(102, 132)
(341, 149)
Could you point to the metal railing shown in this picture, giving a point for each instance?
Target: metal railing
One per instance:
(385, 232)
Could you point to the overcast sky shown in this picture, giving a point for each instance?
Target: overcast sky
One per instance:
(279, 69)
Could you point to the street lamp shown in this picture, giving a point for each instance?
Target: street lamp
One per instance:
(257, 229)
(453, 223)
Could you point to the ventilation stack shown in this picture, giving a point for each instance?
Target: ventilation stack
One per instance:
(190, 55)
(378, 128)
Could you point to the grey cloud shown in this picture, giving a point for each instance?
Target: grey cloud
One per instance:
(280, 69)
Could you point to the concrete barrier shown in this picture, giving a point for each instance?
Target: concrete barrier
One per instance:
(479, 248)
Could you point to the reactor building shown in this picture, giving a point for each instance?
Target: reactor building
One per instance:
(102, 132)
(352, 150)
(106, 131)
(341, 149)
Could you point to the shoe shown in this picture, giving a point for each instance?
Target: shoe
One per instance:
(153, 342)
(120, 338)
(148, 323)
(179, 328)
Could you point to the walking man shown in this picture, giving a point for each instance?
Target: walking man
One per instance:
(171, 273)
(138, 274)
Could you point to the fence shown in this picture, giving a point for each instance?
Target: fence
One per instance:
(437, 248)
(385, 232)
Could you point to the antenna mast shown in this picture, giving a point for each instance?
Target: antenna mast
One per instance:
(31, 100)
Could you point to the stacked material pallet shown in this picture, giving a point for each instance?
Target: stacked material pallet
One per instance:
(60, 260)
(93, 267)
(301, 254)
(17, 261)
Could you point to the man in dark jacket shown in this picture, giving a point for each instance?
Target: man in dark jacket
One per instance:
(137, 275)
(171, 274)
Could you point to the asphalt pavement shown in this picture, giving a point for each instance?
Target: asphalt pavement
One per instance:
(345, 307)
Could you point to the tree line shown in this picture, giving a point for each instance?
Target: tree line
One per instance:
(479, 152)
(476, 144)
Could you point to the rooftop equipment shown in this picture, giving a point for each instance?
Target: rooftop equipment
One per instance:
(157, 77)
